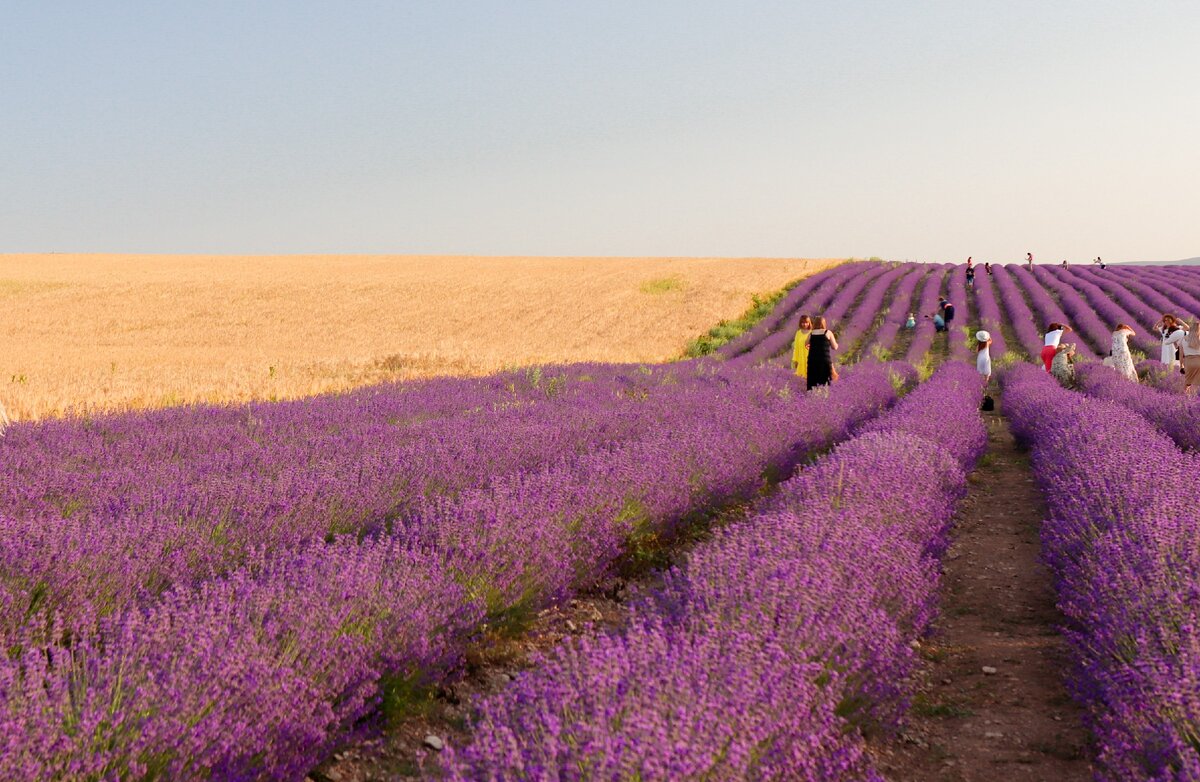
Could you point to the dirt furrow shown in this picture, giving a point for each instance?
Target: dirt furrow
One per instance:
(991, 702)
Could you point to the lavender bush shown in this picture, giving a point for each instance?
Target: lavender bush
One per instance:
(261, 671)
(1023, 323)
(1120, 539)
(786, 312)
(869, 311)
(923, 338)
(990, 317)
(962, 338)
(1156, 374)
(97, 512)
(1090, 330)
(1168, 278)
(1159, 293)
(831, 300)
(1176, 415)
(898, 309)
(1143, 315)
(777, 642)
(1046, 308)
(1113, 311)
(763, 343)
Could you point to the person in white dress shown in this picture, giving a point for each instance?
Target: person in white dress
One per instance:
(1121, 359)
(1172, 332)
(983, 359)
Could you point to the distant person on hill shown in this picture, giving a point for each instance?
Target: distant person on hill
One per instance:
(1054, 334)
(1029, 260)
(820, 344)
(1064, 263)
(970, 276)
(800, 346)
(1172, 333)
(983, 355)
(987, 267)
(1191, 357)
(1099, 263)
(970, 262)
(911, 323)
(1063, 367)
(1120, 358)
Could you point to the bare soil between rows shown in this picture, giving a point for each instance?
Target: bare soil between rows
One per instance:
(998, 612)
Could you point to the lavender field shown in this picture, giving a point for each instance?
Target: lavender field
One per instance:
(240, 592)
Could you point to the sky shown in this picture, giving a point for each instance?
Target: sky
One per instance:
(905, 130)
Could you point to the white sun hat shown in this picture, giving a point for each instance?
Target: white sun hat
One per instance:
(982, 336)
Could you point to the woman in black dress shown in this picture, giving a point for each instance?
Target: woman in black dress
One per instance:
(821, 344)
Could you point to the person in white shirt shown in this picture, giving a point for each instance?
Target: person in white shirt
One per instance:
(1172, 333)
(1054, 333)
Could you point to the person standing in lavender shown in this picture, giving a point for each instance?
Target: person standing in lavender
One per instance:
(1191, 357)
(971, 277)
(821, 343)
(1172, 333)
(1054, 334)
(1029, 261)
(1120, 358)
(983, 355)
(800, 346)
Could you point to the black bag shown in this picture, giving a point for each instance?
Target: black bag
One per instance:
(988, 405)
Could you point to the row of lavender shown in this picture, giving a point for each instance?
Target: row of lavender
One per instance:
(261, 670)
(1120, 539)
(96, 513)
(776, 643)
(1176, 415)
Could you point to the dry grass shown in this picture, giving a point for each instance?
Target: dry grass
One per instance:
(103, 332)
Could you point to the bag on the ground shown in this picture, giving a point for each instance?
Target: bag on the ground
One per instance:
(988, 405)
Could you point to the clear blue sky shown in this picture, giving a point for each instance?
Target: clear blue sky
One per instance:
(918, 130)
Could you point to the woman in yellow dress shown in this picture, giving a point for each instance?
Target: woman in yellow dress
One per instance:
(800, 347)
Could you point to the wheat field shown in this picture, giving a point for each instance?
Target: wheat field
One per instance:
(108, 332)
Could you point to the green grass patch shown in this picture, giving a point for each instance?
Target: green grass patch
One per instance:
(404, 695)
(662, 285)
(924, 706)
(760, 306)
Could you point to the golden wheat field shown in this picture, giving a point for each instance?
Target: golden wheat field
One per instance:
(105, 332)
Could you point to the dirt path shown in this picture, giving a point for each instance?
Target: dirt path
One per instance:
(991, 704)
